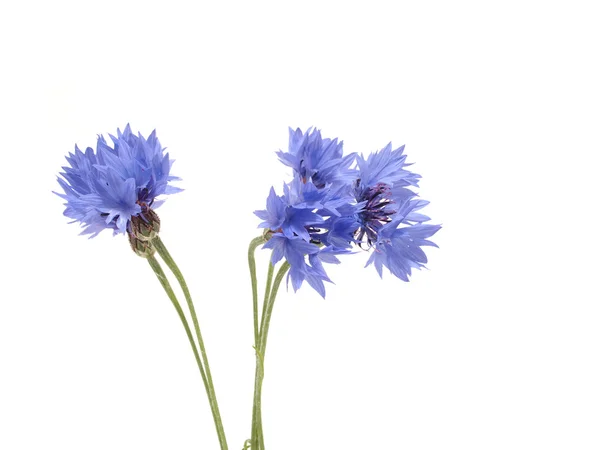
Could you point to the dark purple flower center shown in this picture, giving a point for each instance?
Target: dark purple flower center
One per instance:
(144, 197)
(376, 213)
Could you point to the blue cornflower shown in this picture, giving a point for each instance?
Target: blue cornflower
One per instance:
(295, 219)
(292, 223)
(107, 188)
(379, 189)
(316, 159)
(398, 243)
(289, 214)
(389, 223)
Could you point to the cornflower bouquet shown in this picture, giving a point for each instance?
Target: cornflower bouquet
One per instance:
(333, 205)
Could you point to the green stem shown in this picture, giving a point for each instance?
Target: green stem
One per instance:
(256, 413)
(264, 326)
(252, 266)
(257, 442)
(208, 383)
(169, 290)
(267, 294)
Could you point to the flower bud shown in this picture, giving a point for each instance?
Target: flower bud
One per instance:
(142, 248)
(146, 225)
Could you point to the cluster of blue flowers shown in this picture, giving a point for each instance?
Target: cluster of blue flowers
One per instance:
(335, 202)
(105, 189)
(332, 204)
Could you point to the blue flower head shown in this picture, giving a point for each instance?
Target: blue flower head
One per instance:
(398, 244)
(105, 189)
(316, 159)
(379, 190)
(389, 224)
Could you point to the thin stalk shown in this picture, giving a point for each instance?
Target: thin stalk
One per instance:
(264, 328)
(169, 290)
(256, 413)
(267, 294)
(210, 389)
(252, 266)
(257, 442)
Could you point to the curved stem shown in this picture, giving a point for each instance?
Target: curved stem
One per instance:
(267, 294)
(210, 389)
(252, 266)
(257, 442)
(264, 326)
(169, 290)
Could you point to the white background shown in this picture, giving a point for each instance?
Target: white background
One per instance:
(496, 346)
